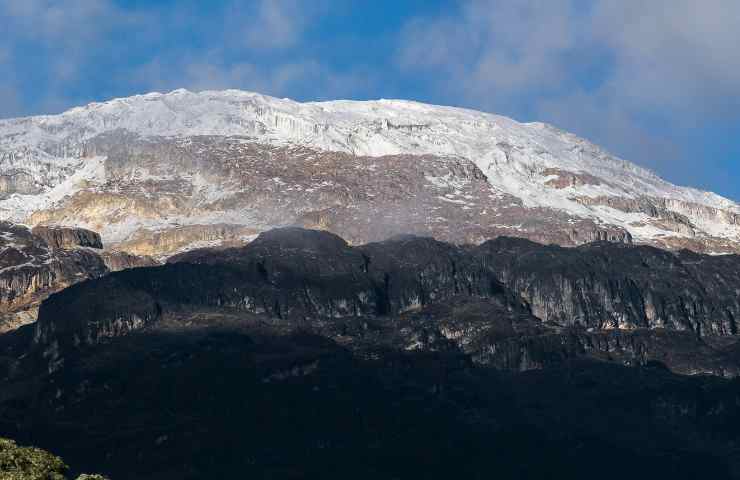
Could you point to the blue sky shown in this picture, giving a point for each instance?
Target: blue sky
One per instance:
(656, 82)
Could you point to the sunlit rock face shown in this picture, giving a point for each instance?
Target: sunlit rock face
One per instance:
(37, 262)
(117, 260)
(159, 174)
(31, 267)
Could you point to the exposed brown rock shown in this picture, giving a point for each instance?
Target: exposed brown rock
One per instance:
(68, 238)
(362, 199)
(116, 261)
(178, 194)
(34, 264)
(163, 243)
(565, 179)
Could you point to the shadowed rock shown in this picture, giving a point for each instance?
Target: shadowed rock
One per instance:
(303, 354)
(601, 299)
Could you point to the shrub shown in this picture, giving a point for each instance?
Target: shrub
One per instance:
(30, 463)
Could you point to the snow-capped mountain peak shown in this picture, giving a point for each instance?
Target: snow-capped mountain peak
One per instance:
(536, 163)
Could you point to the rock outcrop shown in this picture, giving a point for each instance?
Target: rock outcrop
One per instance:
(35, 263)
(168, 242)
(18, 181)
(67, 238)
(610, 286)
(117, 260)
(31, 269)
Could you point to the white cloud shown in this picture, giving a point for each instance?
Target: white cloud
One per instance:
(494, 50)
(9, 98)
(269, 24)
(596, 67)
(675, 54)
(252, 45)
(277, 24)
(678, 54)
(64, 23)
(71, 31)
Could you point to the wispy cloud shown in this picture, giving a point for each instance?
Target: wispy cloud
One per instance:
(631, 75)
(494, 50)
(272, 24)
(677, 54)
(257, 45)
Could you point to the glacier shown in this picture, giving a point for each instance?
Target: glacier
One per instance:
(537, 163)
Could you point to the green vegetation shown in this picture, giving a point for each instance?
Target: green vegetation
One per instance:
(29, 463)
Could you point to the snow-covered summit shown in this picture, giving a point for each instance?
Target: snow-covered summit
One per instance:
(541, 165)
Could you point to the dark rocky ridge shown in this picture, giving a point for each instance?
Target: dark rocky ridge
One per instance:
(301, 356)
(296, 404)
(576, 298)
(606, 285)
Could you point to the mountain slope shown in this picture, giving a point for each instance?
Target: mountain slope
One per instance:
(158, 162)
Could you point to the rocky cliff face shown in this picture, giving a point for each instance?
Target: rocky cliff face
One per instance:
(67, 238)
(401, 343)
(31, 269)
(291, 274)
(35, 263)
(168, 242)
(116, 261)
(608, 286)
(602, 299)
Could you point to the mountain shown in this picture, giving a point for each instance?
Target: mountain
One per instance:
(473, 297)
(302, 356)
(158, 174)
